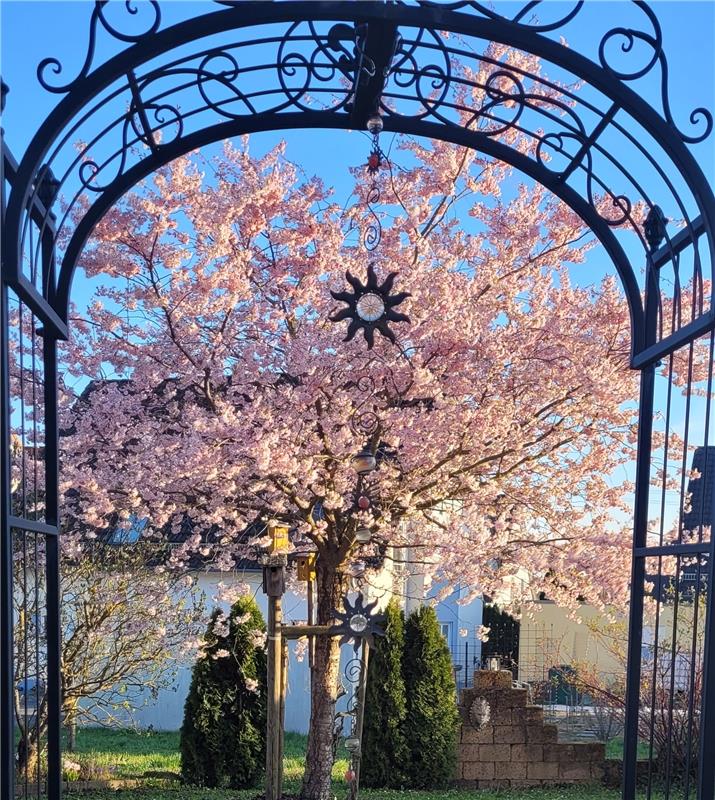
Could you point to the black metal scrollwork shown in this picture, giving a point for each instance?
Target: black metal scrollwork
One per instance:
(54, 65)
(527, 9)
(435, 77)
(291, 62)
(364, 420)
(654, 41)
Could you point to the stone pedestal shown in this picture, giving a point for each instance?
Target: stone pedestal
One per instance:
(504, 742)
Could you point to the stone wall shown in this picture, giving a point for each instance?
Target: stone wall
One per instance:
(509, 745)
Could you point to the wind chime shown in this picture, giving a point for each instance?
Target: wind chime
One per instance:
(370, 307)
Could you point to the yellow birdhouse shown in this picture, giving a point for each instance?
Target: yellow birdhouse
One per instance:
(306, 566)
(280, 543)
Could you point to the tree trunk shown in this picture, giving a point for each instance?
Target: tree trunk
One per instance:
(71, 725)
(324, 675)
(28, 757)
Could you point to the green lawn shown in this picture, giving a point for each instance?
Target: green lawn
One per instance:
(566, 793)
(116, 753)
(154, 757)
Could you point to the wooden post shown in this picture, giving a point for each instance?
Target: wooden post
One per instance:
(273, 715)
(360, 712)
(274, 586)
(282, 715)
(311, 640)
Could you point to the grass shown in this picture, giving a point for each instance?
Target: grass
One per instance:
(183, 793)
(133, 754)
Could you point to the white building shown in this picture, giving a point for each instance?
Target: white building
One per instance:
(165, 711)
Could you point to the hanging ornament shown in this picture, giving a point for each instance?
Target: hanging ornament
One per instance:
(370, 307)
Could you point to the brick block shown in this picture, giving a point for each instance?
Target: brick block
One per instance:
(467, 697)
(542, 734)
(462, 784)
(473, 736)
(488, 679)
(590, 751)
(534, 715)
(478, 771)
(575, 771)
(598, 772)
(504, 700)
(511, 770)
(494, 752)
(558, 752)
(528, 784)
(509, 734)
(519, 716)
(546, 770)
(468, 752)
(527, 752)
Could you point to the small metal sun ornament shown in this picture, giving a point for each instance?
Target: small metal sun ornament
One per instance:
(357, 622)
(370, 307)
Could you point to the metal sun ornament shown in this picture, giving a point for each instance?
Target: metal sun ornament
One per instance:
(370, 306)
(358, 622)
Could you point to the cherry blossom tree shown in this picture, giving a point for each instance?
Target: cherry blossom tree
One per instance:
(223, 393)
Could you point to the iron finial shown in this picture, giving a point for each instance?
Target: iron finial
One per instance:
(654, 227)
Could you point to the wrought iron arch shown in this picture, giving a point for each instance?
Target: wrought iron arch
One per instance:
(436, 69)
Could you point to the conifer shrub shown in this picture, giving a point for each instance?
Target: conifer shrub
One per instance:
(384, 750)
(223, 735)
(431, 722)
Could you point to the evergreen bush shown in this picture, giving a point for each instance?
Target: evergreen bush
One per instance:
(432, 718)
(223, 735)
(384, 750)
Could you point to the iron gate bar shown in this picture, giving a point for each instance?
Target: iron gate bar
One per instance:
(671, 550)
(640, 540)
(678, 243)
(669, 344)
(36, 526)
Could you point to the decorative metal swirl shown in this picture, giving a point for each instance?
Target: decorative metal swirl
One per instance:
(136, 121)
(435, 76)
(527, 8)
(516, 98)
(290, 62)
(555, 142)
(364, 421)
(628, 38)
(54, 65)
(372, 234)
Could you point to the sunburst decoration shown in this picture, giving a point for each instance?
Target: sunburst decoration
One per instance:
(370, 306)
(358, 622)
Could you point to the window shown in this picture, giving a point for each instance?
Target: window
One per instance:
(446, 630)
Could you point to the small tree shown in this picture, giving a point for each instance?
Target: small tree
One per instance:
(432, 717)
(384, 749)
(124, 627)
(671, 686)
(223, 733)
